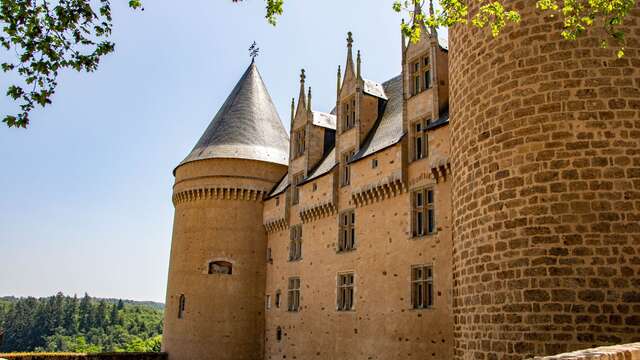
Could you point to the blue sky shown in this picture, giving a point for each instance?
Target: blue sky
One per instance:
(86, 190)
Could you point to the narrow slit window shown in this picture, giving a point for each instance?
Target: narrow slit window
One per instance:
(418, 141)
(181, 306)
(278, 296)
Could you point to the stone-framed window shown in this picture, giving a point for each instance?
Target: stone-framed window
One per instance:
(295, 190)
(349, 114)
(267, 301)
(293, 294)
(423, 214)
(220, 267)
(345, 168)
(415, 78)
(298, 143)
(347, 232)
(181, 306)
(345, 300)
(419, 143)
(278, 298)
(426, 71)
(295, 244)
(421, 286)
(374, 163)
(278, 333)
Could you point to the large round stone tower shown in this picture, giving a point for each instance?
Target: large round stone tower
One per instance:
(546, 189)
(215, 306)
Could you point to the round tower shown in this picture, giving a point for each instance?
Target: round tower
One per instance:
(546, 188)
(215, 292)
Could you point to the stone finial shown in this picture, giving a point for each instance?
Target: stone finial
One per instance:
(302, 76)
(309, 99)
(349, 39)
(293, 109)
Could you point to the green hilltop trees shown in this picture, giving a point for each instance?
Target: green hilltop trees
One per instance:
(67, 324)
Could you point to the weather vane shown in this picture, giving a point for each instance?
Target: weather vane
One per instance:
(254, 51)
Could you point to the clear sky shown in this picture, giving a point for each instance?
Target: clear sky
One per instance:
(85, 192)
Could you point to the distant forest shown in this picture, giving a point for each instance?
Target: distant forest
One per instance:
(89, 325)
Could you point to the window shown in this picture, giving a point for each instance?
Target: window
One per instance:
(345, 292)
(294, 294)
(269, 256)
(415, 70)
(349, 112)
(418, 141)
(421, 287)
(295, 245)
(423, 212)
(295, 197)
(278, 298)
(278, 201)
(268, 302)
(347, 236)
(181, 306)
(426, 69)
(315, 187)
(279, 333)
(346, 169)
(220, 267)
(374, 163)
(298, 143)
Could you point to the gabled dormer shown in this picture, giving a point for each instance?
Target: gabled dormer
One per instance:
(359, 104)
(425, 65)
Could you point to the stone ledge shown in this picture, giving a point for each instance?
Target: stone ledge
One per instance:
(617, 352)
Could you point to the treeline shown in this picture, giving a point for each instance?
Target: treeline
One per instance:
(67, 324)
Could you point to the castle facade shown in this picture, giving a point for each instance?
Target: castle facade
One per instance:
(385, 228)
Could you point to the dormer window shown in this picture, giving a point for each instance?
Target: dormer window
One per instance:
(426, 70)
(416, 78)
(420, 75)
(349, 113)
(298, 143)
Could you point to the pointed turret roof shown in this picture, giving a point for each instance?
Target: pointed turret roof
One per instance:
(247, 126)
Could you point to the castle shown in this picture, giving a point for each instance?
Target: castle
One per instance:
(483, 204)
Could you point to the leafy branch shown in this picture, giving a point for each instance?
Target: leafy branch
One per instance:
(43, 37)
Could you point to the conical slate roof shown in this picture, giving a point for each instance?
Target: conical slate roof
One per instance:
(247, 126)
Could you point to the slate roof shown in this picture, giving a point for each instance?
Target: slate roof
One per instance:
(324, 120)
(373, 88)
(387, 130)
(443, 120)
(281, 186)
(328, 163)
(247, 126)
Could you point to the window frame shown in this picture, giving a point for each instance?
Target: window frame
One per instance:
(293, 294)
(295, 188)
(345, 173)
(422, 290)
(346, 231)
(423, 212)
(299, 142)
(426, 72)
(419, 136)
(345, 294)
(349, 114)
(295, 243)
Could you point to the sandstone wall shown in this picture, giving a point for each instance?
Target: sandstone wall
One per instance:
(546, 189)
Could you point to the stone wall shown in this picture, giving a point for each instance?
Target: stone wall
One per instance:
(618, 352)
(104, 356)
(546, 189)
